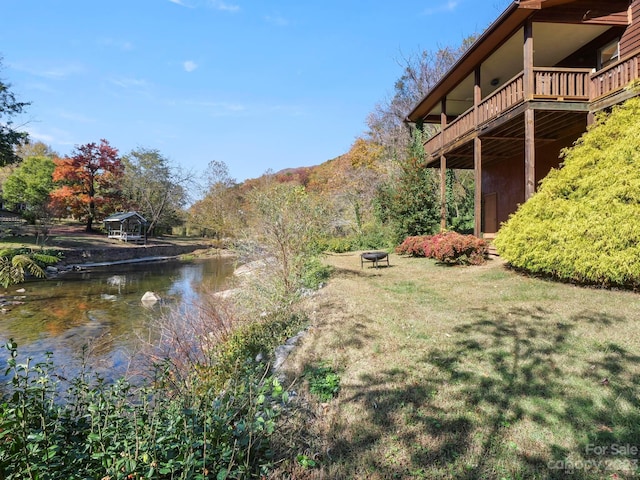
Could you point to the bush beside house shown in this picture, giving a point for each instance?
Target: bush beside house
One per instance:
(583, 224)
(447, 247)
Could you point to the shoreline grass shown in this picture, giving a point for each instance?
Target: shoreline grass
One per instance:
(470, 372)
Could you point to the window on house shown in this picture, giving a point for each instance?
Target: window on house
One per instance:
(609, 54)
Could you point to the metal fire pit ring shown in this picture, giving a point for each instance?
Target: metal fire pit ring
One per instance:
(373, 257)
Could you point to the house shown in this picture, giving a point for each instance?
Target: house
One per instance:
(126, 226)
(527, 88)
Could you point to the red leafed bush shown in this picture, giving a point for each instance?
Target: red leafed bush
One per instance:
(446, 247)
(413, 246)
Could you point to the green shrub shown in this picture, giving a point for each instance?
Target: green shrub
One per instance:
(96, 430)
(239, 351)
(315, 273)
(583, 224)
(15, 263)
(324, 382)
(339, 245)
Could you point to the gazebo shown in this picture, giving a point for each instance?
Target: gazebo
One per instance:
(126, 226)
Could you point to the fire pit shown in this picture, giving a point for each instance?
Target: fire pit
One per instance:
(373, 257)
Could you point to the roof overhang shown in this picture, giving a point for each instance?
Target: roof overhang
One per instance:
(499, 33)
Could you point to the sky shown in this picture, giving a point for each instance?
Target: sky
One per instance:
(258, 85)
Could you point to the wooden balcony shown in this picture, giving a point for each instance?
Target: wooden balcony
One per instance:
(561, 84)
(503, 99)
(615, 77)
(549, 84)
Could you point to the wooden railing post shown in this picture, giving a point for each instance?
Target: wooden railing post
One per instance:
(528, 60)
(477, 175)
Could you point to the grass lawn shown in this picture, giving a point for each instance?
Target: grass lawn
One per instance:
(468, 372)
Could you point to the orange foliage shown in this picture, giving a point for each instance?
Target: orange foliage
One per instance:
(88, 181)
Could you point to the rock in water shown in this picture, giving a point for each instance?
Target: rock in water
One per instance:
(150, 298)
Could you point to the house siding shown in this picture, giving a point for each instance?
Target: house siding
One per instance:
(630, 40)
(499, 177)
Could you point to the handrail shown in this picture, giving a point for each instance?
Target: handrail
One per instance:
(616, 76)
(461, 125)
(433, 143)
(550, 83)
(561, 83)
(505, 97)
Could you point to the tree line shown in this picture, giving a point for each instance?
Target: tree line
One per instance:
(94, 182)
(376, 194)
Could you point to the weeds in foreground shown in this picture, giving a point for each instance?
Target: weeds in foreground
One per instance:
(324, 382)
(118, 431)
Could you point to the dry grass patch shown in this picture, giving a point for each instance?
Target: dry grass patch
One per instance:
(469, 372)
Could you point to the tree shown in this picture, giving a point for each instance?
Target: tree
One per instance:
(9, 136)
(349, 183)
(88, 182)
(411, 202)
(287, 223)
(37, 149)
(421, 73)
(29, 186)
(219, 211)
(155, 187)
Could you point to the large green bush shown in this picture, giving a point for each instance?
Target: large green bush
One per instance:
(583, 224)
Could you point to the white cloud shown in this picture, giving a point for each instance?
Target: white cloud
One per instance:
(55, 136)
(216, 4)
(277, 20)
(218, 108)
(41, 87)
(189, 66)
(76, 117)
(225, 7)
(448, 6)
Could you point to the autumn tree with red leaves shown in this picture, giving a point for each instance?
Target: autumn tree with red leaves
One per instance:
(87, 182)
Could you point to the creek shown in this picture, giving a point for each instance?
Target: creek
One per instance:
(97, 314)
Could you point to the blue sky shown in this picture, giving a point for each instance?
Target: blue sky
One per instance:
(256, 84)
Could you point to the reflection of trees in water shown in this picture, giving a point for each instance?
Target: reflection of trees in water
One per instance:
(99, 313)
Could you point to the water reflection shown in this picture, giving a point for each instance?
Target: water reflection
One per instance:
(101, 308)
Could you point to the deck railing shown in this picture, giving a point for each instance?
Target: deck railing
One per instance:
(461, 125)
(561, 83)
(550, 83)
(615, 77)
(433, 143)
(505, 97)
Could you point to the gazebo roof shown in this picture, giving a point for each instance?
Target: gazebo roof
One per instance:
(122, 216)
